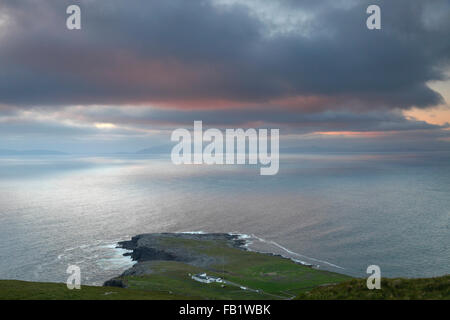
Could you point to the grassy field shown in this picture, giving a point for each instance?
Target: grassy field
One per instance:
(391, 289)
(24, 290)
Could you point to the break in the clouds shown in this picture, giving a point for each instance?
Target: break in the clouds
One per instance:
(307, 66)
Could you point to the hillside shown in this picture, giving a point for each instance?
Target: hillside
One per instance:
(391, 289)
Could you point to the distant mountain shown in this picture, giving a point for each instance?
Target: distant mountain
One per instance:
(6, 152)
(161, 149)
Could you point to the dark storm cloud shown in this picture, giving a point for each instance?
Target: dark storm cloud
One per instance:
(136, 52)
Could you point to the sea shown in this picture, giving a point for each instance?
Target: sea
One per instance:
(336, 211)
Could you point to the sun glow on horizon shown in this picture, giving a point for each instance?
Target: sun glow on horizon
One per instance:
(353, 133)
(104, 125)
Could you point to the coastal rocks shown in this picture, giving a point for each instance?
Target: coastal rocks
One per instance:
(166, 246)
(115, 282)
(182, 247)
(146, 254)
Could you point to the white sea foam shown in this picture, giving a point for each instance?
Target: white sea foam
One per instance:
(192, 232)
(295, 253)
(102, 253)
(249, 240)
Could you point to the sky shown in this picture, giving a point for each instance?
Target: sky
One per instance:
(139, 69)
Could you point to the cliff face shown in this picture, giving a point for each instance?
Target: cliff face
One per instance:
(160, 240)
(181, 247)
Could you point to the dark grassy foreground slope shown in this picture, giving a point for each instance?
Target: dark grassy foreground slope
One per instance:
(24, 290)
(391, 289)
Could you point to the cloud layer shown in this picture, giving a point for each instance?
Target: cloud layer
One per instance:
(307, 66)
(154, 51)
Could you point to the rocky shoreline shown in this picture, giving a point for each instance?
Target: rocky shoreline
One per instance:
(149, 247)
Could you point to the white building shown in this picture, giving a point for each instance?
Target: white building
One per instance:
(203, 277)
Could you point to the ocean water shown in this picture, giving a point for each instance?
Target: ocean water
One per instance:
(340, 212)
